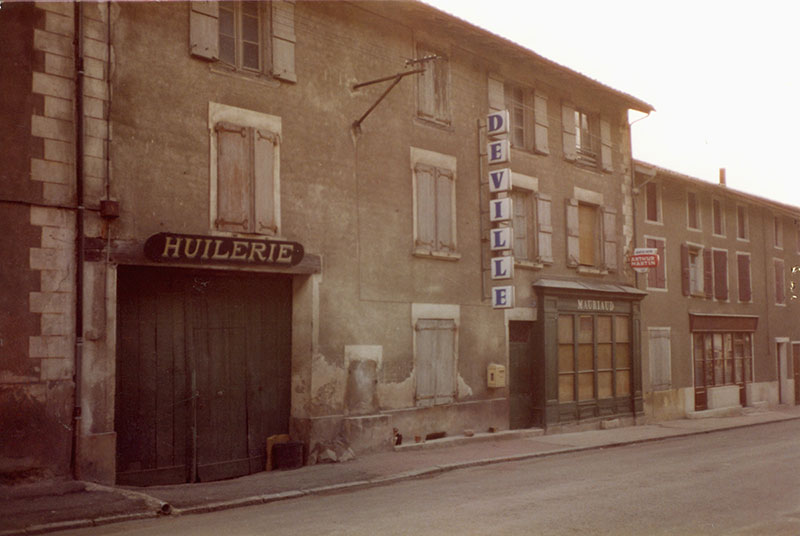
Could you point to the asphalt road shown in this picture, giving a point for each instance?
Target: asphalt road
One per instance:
(743, 481)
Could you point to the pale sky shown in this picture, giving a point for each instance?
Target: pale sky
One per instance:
(723, 76)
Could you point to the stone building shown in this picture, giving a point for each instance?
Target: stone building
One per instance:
(284, 217)
(721, 328)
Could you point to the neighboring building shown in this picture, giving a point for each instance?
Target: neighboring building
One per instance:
(721, 314)
(267, 245)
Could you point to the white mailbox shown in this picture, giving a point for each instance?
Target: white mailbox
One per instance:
(496, 375)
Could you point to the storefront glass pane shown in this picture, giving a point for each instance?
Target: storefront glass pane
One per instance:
(586, 330)
(622, 329)
(566, 387)
(603, 329)
(605, 385)
(585, 357)
(604, 356)
(586, 386)
(623, 382)
(566, 360)
(719, 379)
(565, 332)
(738, 365)
(623, 356)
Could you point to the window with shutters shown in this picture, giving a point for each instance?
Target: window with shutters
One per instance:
(435, 365)
(660, 354)
(256, 38)
(434, 180)
(533, 231)
(780, 281)
(692, 211)
(433, 86)
(586, 138)
(591, 237)
(742, 223)
(527, 111)
(696, 271)
(743, 277)
(244, 174)
(777, 232)
(657, 277)
(653, 202)
(720, 257)
(718, 216)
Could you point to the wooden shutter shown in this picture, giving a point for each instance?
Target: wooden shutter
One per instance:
(283, 40)
(605, 145)
(780, 283)
(660, 358)
(573, 233)
(721, 275)
(426, 96)
(426, 206)
(708, 274)
(544, 228)
(445, 362)
(685, 271)
(445, 235)
(496, 95)
(745, 292)
(542, 123)
(234, 172)
(204, 30)
(568, 132)
(435, 367)
(521, 224)
(610, 239)
(426, 355)
(264, 187)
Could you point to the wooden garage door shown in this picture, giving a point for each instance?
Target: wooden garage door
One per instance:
(203, 373)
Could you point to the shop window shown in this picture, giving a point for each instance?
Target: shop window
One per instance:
(657, 277)
(743, 276)
(433, 86)
(742, 223)
(586, 138)
(722, 358)
(591, 236)
(653, 202)
(245, 185)
(718, 215)
(780, 281)
(249, 37)
(435, 361)
(434, 177)
(692, 211)
(660, 355)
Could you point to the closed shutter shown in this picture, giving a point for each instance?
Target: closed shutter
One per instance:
(233, 178)
(435, 368)
(496, 95)
(568, 132)
(426, 85)
(445, 236)
(573, 233)
(426, 206)
(544, 228)
(745, 292)
(780, 284)
(721, 275)
(605, 145)
(660, 358)
(708, 274)
(264, 146)
(283, 40)
(204, 30)
(610, 239)
(542, 123)
(686, 277)
(587, 235)
(520, 222)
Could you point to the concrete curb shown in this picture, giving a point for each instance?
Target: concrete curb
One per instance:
(363, 484)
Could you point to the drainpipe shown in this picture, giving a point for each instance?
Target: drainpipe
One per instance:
(634, 193)
(79, 239)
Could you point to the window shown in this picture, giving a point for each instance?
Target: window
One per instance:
(586, 374)
(692, 211)
(657, 277)
(434, 177)
(591, 236)
(433, 86)
(653, 203)
(780, 281)
(722, 359)
(533, 232)
(245, 185)
(718, 216)
(743, 272)
(742, 223)
(720, 274)
(778, 232)
(250, 37)
(696, 271)
(586, 138)
(436, 351)
(527, 110)
(660, 354)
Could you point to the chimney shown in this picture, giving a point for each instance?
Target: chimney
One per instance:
(722, 177)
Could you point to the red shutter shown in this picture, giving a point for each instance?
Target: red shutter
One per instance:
(652, 278)
(780, 286)
(745, 294)
(685, 277)
(661, 269)
(708, 274)
(721, 275)
(234, 172)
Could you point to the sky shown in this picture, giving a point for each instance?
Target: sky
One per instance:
(723, 76)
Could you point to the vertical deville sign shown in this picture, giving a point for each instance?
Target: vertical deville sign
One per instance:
(500, 211)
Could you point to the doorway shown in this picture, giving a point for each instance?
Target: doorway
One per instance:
(796, 371)
(521, 376)
(785, 394)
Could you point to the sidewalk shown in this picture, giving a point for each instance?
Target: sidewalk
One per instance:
(51, 506)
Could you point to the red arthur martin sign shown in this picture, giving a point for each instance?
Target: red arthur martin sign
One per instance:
(196, 249)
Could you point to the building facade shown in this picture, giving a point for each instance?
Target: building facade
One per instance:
(290, 218)
(721, 326)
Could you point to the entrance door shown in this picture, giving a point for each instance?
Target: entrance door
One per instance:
(521, 376)
(784, 396)
(703, 369)
(796, 371)
(203, 373)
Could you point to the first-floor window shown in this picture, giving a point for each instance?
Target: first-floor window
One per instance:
(434, 202)
(780, 281)
(743, 269)
(591, 236)
(436, 364)
(660, 354)
(594, 357)
(720, 274)
(657, 277)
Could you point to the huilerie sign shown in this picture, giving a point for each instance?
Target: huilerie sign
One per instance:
(197, 249)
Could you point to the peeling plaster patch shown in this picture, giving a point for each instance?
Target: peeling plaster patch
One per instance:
(464, 390)
(398, 395)
(327, 386)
